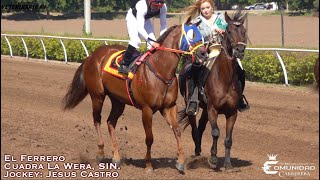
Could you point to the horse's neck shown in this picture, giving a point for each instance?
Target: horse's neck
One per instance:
(166, 62)
(224, 68)
(230, 60)
(227, 47)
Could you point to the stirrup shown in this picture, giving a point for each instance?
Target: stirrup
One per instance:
(190, 112)
(123, 69)
(201, 90)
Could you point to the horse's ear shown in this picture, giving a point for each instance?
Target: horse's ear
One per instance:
(188, 22)
(243, 18)
(226, 16)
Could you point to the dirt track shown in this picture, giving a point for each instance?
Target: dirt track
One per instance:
(282, 120)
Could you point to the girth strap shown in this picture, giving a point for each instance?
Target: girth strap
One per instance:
(130, 93)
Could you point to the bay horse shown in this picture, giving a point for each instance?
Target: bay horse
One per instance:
(221, 90)
(154, 88)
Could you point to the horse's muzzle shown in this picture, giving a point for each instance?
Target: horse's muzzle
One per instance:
(201, 56)
(238, 51)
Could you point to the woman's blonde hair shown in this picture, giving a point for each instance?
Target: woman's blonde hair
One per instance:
(193, 10)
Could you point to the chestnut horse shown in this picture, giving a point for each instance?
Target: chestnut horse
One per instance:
(221, 90)
(154, 88)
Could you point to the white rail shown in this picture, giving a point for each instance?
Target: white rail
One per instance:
(60, 39)
(127, 41)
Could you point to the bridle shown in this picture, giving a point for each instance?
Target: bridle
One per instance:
(234, 46)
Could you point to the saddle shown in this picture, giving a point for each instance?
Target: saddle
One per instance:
(115, 59)
(113, 64)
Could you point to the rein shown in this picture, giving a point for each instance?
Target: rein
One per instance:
(178, 50)
(152, 68)
(161, 48)
(158, 75)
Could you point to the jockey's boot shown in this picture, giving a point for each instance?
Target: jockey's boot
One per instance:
(193, 102)
(243, 104)
(124, 65)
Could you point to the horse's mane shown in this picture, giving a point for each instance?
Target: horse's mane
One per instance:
(238, 15)
(165, 34)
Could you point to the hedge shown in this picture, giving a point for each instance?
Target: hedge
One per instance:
(264, 66)
(260, 66)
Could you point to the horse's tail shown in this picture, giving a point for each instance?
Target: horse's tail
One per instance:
(77, 90)
(183, 118)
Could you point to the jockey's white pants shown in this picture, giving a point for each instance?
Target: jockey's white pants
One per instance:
(135, 37)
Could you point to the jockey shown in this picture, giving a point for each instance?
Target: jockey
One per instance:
(139, 24)
(211, 25)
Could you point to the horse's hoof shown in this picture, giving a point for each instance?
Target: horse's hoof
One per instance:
(180, 167)
(116, 162)
(228, 166)
(100, 158)
(148, 170)
(213, 162)
(197, 152)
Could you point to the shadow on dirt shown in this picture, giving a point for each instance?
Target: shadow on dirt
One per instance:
(140, 163)
(157, 163)
(195, 162)
(191, 163)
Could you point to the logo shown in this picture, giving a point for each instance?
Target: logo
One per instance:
(267, 165)
(272, 166)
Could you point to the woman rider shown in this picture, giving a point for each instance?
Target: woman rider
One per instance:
(211, 25)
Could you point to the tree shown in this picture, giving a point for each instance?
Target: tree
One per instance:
(301, 5)
(174, 5)
(316, 5)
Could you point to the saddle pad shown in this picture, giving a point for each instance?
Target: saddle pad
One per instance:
(112, 65)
